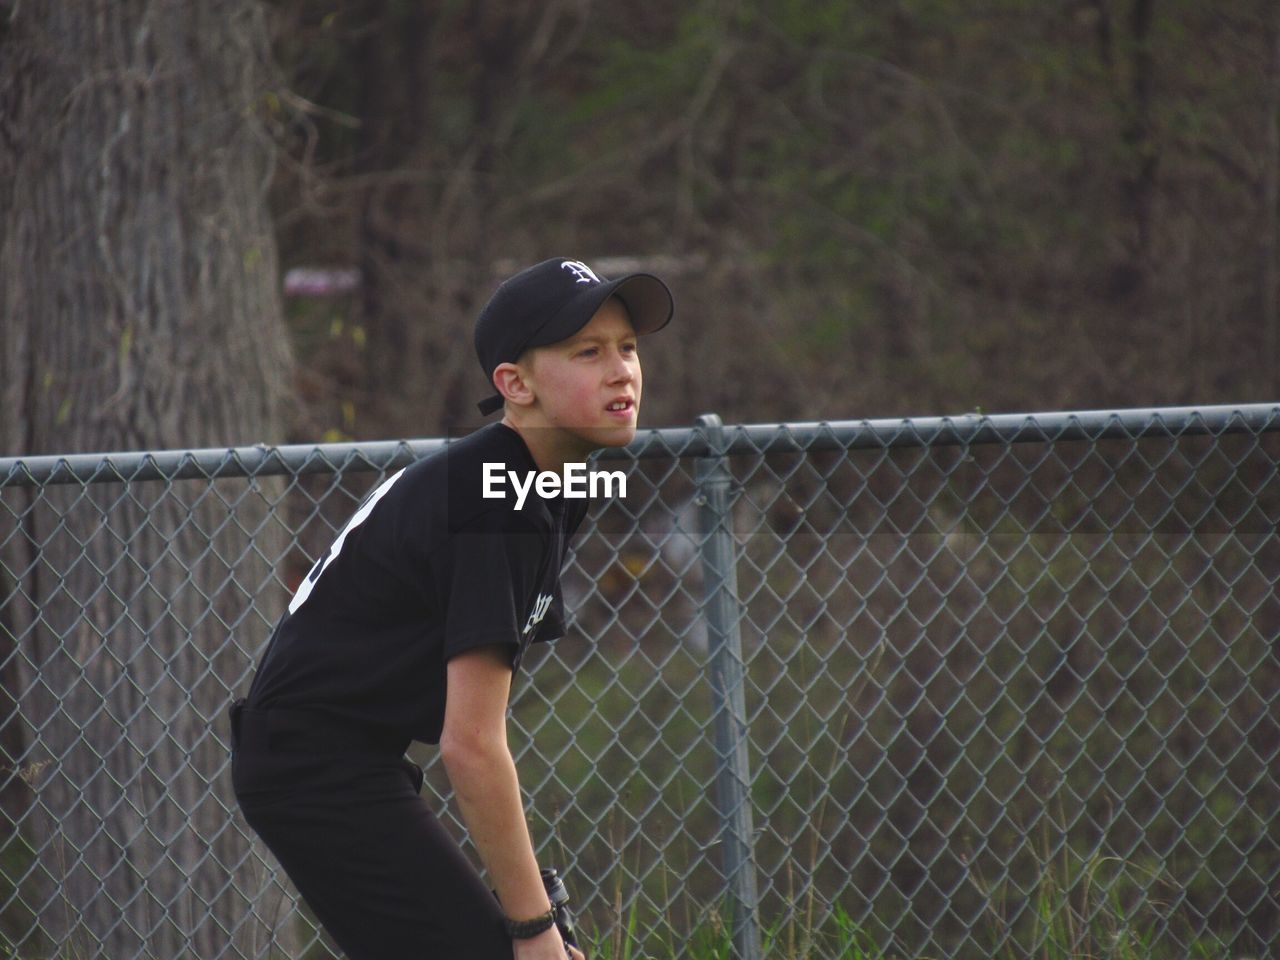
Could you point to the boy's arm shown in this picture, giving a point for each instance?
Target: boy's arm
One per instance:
(473, 746)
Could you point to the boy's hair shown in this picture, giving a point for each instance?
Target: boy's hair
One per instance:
(553, 300)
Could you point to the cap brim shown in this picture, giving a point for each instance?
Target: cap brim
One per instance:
(648, 301)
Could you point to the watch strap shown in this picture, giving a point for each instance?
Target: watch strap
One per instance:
(527, 929)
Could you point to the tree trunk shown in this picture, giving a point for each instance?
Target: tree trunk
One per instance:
(138, 291)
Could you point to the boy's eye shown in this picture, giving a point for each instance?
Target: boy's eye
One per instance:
(627, 348)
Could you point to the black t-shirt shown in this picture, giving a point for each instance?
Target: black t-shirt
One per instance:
(425, 569)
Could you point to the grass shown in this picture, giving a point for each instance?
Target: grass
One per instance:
(1086, 916)
(1103, 909)
(712, 939)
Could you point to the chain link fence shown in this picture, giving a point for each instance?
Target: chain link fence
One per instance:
(957, 687)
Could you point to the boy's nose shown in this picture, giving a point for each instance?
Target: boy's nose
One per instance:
(621, 371)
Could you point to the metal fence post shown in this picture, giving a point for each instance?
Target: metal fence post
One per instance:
(723, 614)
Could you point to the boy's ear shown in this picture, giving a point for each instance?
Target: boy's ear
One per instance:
(509, 380)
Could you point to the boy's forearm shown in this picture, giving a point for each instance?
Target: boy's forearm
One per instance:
(488, 791)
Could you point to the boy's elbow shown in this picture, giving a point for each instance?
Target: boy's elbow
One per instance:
(472, 753)
(474, 737)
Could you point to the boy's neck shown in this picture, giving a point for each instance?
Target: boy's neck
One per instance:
(550, 448)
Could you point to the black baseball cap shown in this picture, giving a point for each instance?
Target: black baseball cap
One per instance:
(553, 300)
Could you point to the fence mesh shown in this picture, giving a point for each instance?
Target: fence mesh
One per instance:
(1001, 686)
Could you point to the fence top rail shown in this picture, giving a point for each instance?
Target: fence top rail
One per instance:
(703, 440)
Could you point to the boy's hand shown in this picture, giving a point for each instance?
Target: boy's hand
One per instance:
(545, 946)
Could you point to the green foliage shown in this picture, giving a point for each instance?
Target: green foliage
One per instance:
(839, 939)
(19, 890)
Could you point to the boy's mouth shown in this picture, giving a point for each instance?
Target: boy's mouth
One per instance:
(624, 405)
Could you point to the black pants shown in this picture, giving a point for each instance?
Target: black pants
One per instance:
(343, 817)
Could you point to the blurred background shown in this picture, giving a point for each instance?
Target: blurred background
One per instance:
(865, 209)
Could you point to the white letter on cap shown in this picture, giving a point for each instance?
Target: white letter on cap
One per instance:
(580, 270)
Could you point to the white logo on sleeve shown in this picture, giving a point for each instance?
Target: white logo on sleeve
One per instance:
(580, 270)
(540, 607)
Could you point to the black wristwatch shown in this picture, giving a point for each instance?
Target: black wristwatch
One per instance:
(528, 929)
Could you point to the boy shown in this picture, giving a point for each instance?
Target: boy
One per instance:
(410, 628)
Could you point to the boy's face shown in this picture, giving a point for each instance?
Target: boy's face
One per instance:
(588, 387)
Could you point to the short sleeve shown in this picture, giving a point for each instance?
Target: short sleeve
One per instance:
(490, 574)
(552, 626)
